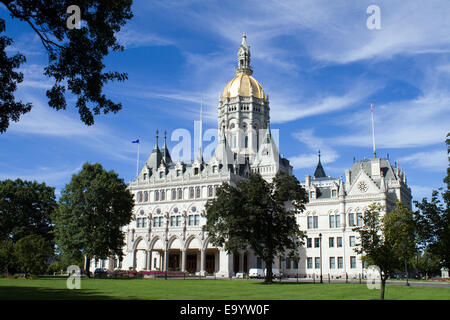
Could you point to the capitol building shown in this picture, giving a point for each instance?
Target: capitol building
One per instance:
(166, 231)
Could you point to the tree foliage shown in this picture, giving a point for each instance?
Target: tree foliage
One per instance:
(75, 55)
(92, 209)
(400, 226)
(433, 220)
(25, 208)
(32, 254)
(7, 258)
(259, 215)
(376, 246)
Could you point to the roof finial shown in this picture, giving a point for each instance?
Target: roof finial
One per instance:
(157, 132)
(319, 155)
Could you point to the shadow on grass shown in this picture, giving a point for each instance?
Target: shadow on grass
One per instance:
(39, 293)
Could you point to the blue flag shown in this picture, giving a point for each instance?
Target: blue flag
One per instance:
(135, 141)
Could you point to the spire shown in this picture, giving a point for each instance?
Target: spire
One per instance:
(165, 151)
(244, 57)
(155, 157)
(319, 173)
(156, 145)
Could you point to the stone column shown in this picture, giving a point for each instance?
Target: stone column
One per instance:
(146, 260)
(226, 264)
(202, 262)
(166, 260)
(183, 260)
(149, 260)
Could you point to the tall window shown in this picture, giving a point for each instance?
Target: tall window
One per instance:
(309, 242)
(178, 222)
(191, 192)
(340, 263)
(197, 192)
(180, 193)
(353, 262)
(333, 193)
(174, 194)
(210, 191)
(233, 140)
(163, 195)
(317, 263)
(339, 242)
(178, 172)
(196, 220)
(332, 222)
(352, 241)
(316, 242)
(310, 224)
(172, 221)
(359, 219)
(338, 221)
(145, 196)
(139, 196)
(316, 222)
(331, 242)
(309, 262)
(156, 195)
(246, 141)
(351, 219)
(332, 263)
(295, 263)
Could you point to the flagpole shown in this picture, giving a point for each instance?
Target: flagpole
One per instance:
(137, 162)
(373, 131)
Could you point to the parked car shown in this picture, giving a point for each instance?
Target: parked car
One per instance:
(256, 273)
(275, 273)
(99, 272)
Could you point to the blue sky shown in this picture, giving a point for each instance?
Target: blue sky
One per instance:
(318, 61)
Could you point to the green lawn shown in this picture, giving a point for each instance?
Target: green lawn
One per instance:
(48, 288)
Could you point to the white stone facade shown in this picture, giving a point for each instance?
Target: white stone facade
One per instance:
(166, 232)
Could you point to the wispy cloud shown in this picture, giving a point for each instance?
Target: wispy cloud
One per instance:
(434, 160)
(313, 144)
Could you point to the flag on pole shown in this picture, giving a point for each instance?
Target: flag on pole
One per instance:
(135, 141)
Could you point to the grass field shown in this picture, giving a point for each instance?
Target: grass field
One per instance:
(11, 289)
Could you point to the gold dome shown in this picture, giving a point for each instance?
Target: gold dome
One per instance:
(243, 85)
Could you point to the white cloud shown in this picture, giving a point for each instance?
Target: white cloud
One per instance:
(401, 124)
(434, 160)
(312, 143)
(131, 38)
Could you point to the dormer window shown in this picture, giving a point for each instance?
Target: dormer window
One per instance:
(214, 169)
(178, 173)
(334, 193)
(312, 195)
(145, 176)
(195, 171)
(161, 174)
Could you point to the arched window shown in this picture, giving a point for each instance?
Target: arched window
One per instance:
(351, 219)
(191, 192)
(145, 196)
(197, 192)
(156, 195)
(163, 195)
(140, 196)
(210, 191)
(174, 194)
(180, 193)
(246, 141)
(359, 219)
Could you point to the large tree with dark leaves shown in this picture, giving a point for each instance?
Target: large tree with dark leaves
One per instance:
(75, 55)
(433, 220)
(25, 209)
(93, 208)
(259, 215)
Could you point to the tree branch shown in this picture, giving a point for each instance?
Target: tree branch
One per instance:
(44, 39)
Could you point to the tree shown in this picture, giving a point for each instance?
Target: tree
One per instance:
(377, 247)
(26, 208)
(7, 258)
(93, 208)
(426, 263)
(433, 220)
(75, 55)
(401, 228)
(259, 215)
(32, 253)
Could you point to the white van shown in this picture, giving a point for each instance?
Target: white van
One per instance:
(275, 273)
(256, 273)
